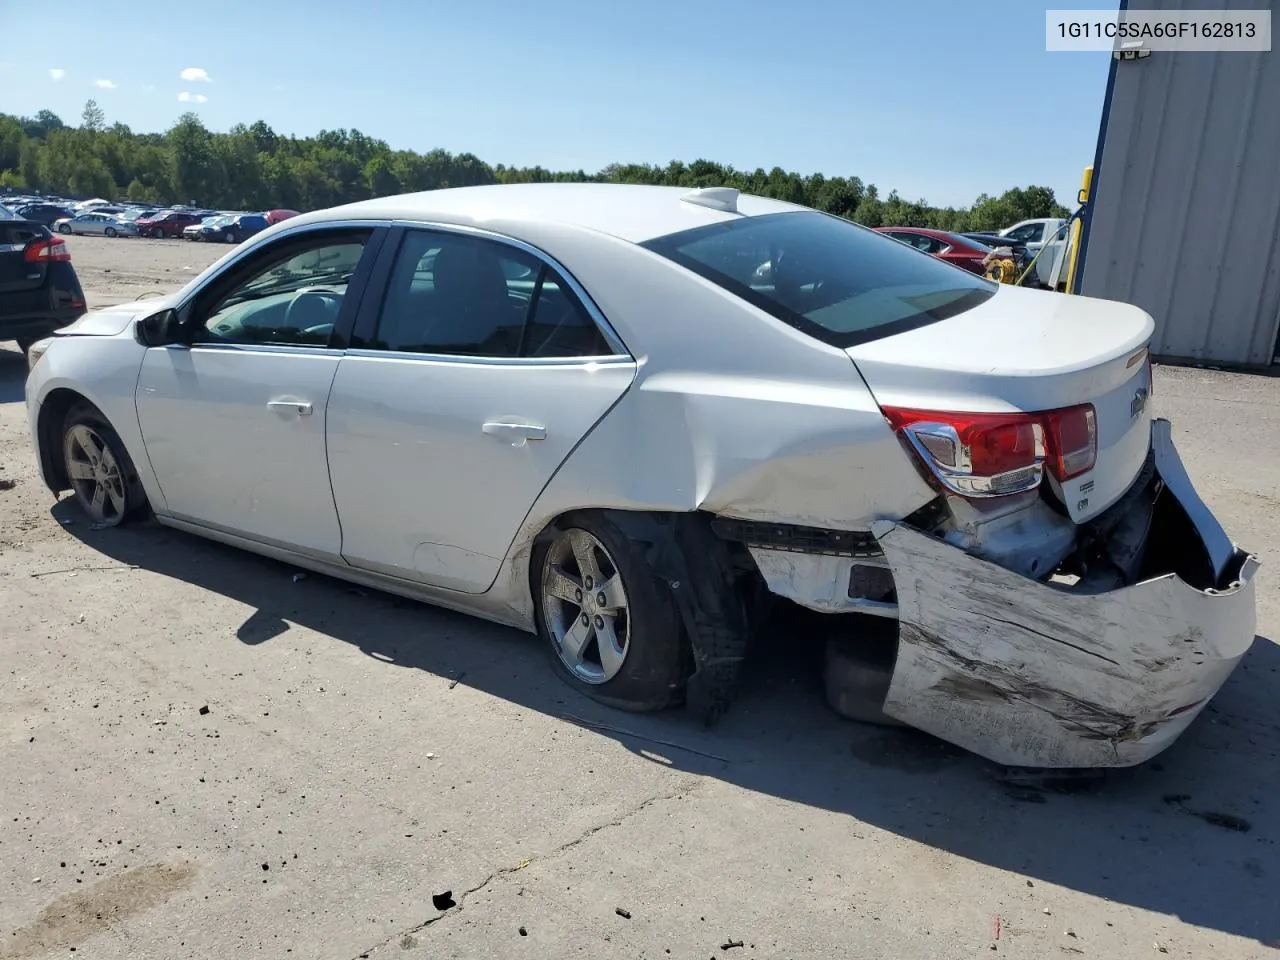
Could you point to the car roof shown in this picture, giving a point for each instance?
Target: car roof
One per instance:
(630, 212)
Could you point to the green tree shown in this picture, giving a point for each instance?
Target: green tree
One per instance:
(93, 117)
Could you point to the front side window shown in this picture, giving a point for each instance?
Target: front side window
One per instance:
(458, 295)
(838, 282)
(291, 293)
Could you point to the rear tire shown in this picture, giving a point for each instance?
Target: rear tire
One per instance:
(110, 232)
(630, 650)
(99, 469)
(64, 228)
(229, 237)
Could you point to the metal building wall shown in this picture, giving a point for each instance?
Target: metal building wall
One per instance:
(1186, 215)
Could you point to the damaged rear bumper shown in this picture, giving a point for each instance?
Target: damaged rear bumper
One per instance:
(1031, 673)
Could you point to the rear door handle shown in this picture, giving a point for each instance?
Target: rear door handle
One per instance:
(518, 433)
(299, 407)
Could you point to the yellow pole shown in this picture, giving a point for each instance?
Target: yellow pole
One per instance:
(1081, 198)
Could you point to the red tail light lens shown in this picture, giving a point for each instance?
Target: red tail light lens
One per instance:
(995, 454)
(1073, 440)
(976, 454)
(46, 251)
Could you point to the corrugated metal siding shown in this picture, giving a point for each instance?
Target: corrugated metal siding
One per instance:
(1186, 222)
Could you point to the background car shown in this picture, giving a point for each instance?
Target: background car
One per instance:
(952, 248)
(239, 228)
(97, 224)
(42, 212)
(275, 216)
(207, 229)
(39, 289)
(166, 223)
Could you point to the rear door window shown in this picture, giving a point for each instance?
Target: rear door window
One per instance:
(457, 295)
(836, 281)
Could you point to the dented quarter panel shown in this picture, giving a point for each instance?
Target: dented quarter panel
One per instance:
(1027, 674)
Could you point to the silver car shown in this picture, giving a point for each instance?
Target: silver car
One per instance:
(97, 224)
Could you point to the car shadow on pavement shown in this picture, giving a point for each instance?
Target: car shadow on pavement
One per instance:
(1191, 835)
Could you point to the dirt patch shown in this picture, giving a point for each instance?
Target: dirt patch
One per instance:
(115, 271)
(73, 918)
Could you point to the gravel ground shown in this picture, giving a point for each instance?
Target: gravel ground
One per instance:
(113, 271)
(202, 757)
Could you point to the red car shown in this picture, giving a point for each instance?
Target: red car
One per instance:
(165, 223)
(275, 216)
(950, 247)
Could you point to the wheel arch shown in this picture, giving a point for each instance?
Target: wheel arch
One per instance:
(55, 406)
(711, 580)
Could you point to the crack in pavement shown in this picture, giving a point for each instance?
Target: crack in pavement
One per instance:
(507, 871)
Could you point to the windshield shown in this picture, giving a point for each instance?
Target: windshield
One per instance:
(836, 281)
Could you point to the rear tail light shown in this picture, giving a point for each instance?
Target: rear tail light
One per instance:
(996, 454)
(1073, 440)
(46, 251)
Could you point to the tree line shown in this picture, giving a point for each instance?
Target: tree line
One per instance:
(254, 168)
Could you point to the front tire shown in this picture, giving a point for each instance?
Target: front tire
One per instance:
(64, 228)
(229, 237)
(99, 469)
(157, 233)
(606, 619)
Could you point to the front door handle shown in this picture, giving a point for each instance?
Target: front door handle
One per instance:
(518, 433)
(298, 407)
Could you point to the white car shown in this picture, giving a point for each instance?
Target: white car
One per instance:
(96, 224)
(583, 411)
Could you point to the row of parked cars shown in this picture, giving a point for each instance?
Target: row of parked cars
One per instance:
(100, 217)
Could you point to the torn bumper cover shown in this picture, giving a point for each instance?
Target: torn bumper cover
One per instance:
(1035, 674)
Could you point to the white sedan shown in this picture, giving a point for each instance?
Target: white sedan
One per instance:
(585, 411)
(96, 224)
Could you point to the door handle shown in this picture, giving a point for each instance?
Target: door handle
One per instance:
(518, 433)
(299, 407)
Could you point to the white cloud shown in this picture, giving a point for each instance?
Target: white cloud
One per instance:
(104, 84)
(57, 73)
(188, 97)
(196, 73)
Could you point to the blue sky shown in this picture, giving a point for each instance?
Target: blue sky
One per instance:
(940, 100)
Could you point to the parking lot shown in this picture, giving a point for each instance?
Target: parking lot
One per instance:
(205, 754)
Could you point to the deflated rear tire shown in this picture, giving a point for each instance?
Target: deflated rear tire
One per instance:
(607, 621)
(101, 473)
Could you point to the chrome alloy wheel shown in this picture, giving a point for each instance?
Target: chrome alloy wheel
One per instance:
(585, 606)
(95, 475)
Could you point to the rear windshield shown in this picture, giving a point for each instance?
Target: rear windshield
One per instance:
(839, 282)
(957, 238)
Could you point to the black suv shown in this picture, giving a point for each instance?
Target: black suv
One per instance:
(45, 213)
(39, 289)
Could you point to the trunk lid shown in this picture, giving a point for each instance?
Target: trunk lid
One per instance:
(1029, 351)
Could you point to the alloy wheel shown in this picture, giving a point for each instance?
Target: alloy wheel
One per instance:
(585, 605)
(95, 475)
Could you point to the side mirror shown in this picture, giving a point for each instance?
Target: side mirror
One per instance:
(159, 329)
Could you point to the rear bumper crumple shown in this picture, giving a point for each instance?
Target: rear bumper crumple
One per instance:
(1037, 674)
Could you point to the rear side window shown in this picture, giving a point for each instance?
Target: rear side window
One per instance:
(836, 281)
(468, 296)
